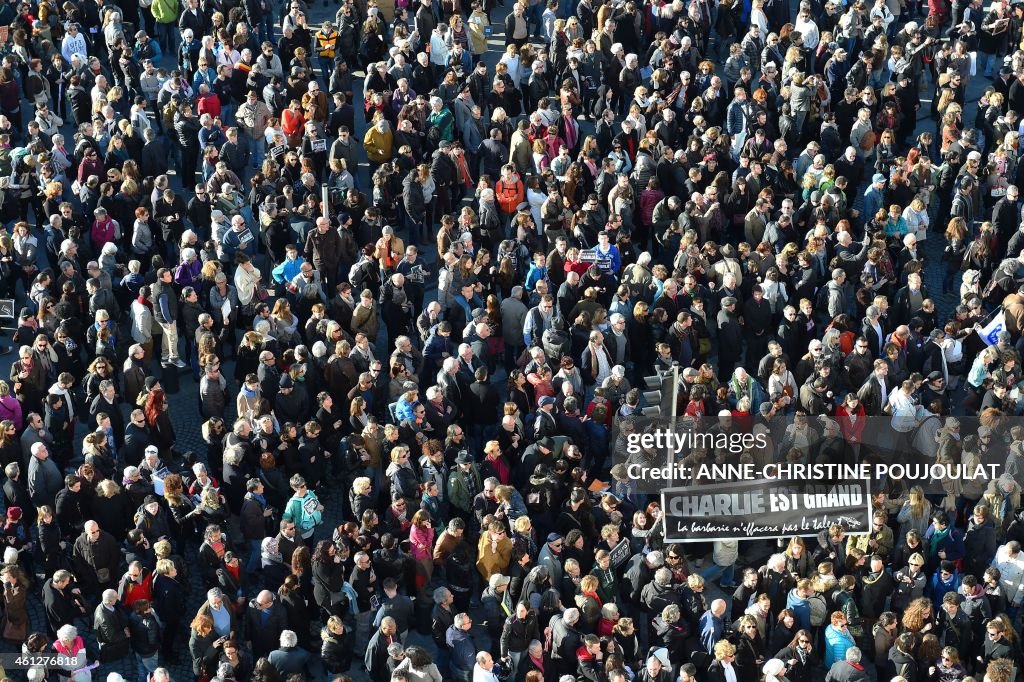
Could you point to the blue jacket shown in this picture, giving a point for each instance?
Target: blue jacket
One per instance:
(436, 345)
(211, 136)
(534, 275)
(516, 507)
(952, 544)
(735, 118)
(463, 649)
(613, 254)
(403, 410)
(286, 271)
(801, 607)
(937, 587)
(710, 631)
(238, 241)
(836, 644)
(873, 200)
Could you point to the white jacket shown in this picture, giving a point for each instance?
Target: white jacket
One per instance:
(725, 552)
(1011, 575)
(142, 322)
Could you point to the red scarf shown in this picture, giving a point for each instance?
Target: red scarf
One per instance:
(143, 301)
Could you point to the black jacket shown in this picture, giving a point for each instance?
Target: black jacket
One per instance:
(336, 652)
(110, 626)
(517, 633)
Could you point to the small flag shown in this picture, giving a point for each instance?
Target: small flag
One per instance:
(990, 332)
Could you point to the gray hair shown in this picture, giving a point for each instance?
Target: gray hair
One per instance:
(440, 594)
(109, 597)
(853, 654)
(571, 616)
(289, 638)
(67, 633)
(460, 619)
(663, 576)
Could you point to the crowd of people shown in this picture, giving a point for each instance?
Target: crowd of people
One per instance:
(432, 325)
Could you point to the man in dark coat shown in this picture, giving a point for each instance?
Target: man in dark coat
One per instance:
(485, 407)
(136, 439)
(376, 657)
(730, 339)
(849, 670)
(111, 626)
(61, 600)
(757, 325)
(290, 659)
(565, 639)
(1006, 216)
(265, 620)
(17, 494)
(97, 558)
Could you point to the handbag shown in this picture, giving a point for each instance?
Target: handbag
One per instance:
(262, 293)
(867, 143)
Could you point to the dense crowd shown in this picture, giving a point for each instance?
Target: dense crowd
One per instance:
(433, 324)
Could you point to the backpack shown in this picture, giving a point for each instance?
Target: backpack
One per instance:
(637, 289)
(17, 154)
(912, 436)
(819, 610)
(821, 300)
(357, 275)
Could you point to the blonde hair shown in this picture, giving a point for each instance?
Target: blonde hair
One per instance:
(724, 648)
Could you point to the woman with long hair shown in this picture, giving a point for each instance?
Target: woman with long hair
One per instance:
(15, 593)
(204, 646)
(302, 569)
(954, 252)
(336, 650)
(10, 444)
(159, 422)
(421, 539)
(110, 509)
(418, 666)
(328, 577)
(915, 513)
(51, 540)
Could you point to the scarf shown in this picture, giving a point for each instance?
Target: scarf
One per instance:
(937, 537)
(142, 299)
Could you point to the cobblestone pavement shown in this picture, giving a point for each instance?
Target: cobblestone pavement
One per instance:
(188, 422)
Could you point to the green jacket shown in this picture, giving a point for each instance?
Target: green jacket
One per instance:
(165, 11)
(459, 493)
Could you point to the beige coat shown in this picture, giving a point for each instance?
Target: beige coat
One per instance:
(521, 153)
(475, 28)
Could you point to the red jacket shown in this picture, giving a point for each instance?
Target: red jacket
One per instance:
(208, 104)
(133, 592)
(509, 194)
(102, 232)
(851, 431)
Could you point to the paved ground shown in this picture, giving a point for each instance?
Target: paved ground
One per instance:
(187, 420)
